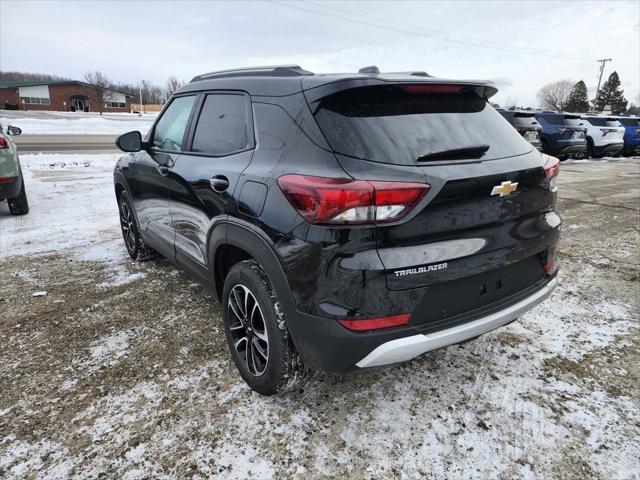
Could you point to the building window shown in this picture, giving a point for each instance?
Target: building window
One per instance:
(35, 100)
(115, 104)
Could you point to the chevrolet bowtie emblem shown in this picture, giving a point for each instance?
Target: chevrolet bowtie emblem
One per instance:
(504, 189)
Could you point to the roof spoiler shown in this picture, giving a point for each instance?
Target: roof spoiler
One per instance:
(272, 70)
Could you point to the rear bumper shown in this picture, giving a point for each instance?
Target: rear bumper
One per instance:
(325, 345)
(567, 149)
(403, 349)
(11, 189)
(610, 149)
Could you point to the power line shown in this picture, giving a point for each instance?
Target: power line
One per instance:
(423, 35)
(465, 39)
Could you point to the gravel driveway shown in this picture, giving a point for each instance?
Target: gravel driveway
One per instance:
(121, 370)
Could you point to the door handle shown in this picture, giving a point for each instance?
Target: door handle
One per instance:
(219, 183)
(163, 170)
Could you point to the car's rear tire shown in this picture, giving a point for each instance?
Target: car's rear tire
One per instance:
(256, 330)
(136, 247)
(19, 205)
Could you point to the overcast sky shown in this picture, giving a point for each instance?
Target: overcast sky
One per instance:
(521, 45)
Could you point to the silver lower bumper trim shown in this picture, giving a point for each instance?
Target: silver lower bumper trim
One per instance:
(406, 348)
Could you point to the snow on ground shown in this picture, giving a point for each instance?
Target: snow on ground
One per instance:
(78, 124)
(72, 206)
(122, 371)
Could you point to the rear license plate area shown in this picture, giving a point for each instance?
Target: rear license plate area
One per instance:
(443, 302)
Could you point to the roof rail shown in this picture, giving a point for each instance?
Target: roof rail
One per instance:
(272, 70)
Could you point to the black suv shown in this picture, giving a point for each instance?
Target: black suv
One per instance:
(525, 123)
(342, 220)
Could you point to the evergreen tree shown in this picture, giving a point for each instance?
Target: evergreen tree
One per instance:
(578, 99)
(611, 94)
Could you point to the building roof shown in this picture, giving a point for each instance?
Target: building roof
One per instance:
(34, 83)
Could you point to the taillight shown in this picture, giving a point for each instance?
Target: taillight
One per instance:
(6, 179)
(322, 200)
(3, 143)
(606, 131)
(551, 169)
(366, 324)
(550, 262)
(421, 88)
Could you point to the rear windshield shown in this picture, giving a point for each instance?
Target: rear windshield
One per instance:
(602, 122)
(388, 124)
(630, 122)
(525, 120)
(566, 120)
(574, 122)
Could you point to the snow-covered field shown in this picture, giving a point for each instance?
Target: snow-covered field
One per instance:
(121, 369)
(67, 123)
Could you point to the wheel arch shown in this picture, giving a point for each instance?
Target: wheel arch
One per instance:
(120, 185)
(234, 240)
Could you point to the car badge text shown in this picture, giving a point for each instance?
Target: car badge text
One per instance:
(413, 271)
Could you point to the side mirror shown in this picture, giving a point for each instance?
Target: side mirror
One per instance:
(130, 142)
(11, 130)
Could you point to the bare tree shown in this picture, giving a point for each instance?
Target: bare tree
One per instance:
(100, 84)
(555, 95)
(151, 93)
(173, 84)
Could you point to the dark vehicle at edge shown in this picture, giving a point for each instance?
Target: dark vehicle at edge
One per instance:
(525, 123)
(631, 126)
(558, 137)
(342, 220)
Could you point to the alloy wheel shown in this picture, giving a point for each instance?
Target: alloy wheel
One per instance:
(127, 225)
(248, 330)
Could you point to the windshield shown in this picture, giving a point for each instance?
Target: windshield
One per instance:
(392, 125)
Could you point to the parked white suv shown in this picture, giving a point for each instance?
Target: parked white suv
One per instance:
(605, 135)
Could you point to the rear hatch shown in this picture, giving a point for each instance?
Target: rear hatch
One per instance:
(569, 127)
(609, 129)
(463, 234)
(527, 125)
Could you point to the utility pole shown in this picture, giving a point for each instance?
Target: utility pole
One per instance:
(602, 61)
(142, 108)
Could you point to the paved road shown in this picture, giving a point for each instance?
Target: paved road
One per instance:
(66, 143)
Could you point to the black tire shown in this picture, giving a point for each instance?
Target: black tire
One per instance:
(590, 150)
(545, 147)
(258, 337)
(136, 247)
(19, 205)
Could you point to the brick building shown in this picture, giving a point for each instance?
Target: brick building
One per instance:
(59, 95)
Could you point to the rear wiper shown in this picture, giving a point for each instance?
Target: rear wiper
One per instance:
(475, 151)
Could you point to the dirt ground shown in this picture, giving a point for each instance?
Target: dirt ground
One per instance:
(121, 370)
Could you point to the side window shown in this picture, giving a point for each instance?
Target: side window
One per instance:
(222, 125)
(169, 130)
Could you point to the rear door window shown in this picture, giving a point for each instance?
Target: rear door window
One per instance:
(222, 125)
(391, 124)
(169, 132)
